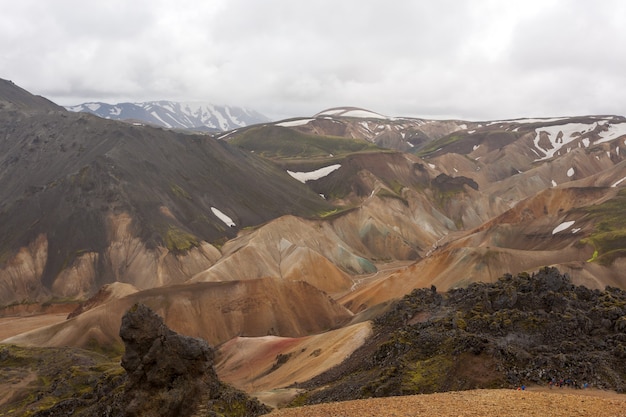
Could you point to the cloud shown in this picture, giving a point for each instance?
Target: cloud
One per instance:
(482, 59)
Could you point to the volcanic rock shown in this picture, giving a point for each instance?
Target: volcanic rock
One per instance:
(171, 374)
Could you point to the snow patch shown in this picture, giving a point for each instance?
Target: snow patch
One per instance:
(614, 132)
(554, 184)
(432, 166)
(586, 142)
(92, 106)
(563, 226)
(227, 220)
(314, 175)
(294, 123)
(156, 116)
(615, 184)
(475, 147)
(363, 114)
(570, 172)
(576, 230)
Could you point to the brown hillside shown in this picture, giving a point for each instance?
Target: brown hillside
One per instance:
(216, 312)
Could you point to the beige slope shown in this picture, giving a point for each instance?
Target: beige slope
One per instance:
(106, 294)
(386, 228)
(288, 248)
(20, 277)
(217, 312)
(126, 256)
(270, 362)
(521, 239)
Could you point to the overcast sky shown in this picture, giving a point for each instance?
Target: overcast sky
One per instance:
(476, 60)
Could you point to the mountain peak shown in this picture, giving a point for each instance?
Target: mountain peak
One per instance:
(355, 112)
(13, 97)
(176, 115)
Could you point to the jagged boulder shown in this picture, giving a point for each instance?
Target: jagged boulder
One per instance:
(168, 372)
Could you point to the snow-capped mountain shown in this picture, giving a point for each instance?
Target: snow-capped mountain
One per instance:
(176, 115)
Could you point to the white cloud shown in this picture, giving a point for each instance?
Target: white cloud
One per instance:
(482, 59)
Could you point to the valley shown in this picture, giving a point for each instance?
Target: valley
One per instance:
(309, 251)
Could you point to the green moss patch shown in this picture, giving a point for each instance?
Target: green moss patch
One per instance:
(609, 235)
(277, 142)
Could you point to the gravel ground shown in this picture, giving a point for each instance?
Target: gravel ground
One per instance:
(513, 403)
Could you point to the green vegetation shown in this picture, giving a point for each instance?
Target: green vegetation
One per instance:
(433, 146)
(179, 241)
(57, 375)
(277, 142)
(609, 235)
(385, 193)
(180, 192)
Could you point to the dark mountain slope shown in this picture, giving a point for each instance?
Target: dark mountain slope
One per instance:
(64, 176)
(14, 98)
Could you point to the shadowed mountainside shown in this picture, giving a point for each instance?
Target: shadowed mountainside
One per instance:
(86, 201)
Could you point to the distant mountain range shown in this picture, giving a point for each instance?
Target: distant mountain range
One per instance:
(175, 115)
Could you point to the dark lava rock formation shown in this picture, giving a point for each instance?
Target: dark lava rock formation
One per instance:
(172, 375)
(524, 329)
(167, 372)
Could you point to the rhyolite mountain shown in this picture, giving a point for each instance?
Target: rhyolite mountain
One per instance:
(176, 115)
(86, 201)
(283, 241)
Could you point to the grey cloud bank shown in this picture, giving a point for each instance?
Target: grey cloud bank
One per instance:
(475, 60)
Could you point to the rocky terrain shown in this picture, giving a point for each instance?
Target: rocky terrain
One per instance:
(166, 374)
(291, 247)
(520, 330)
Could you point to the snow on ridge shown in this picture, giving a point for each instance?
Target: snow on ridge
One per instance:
(539, 120)
(614, 132)
(573, 131)
(227, 220)
(615, 184)
(365, 114)
(232, 118)
(331, 112)
(352, 112)
(563, 226)
(294, 123)
(156, 116)
(314, 175)
(93, 106)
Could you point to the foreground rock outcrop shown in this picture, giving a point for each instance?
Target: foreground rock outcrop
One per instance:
(521, 330)
(173, 375)
(162, 374)
(168, 372)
